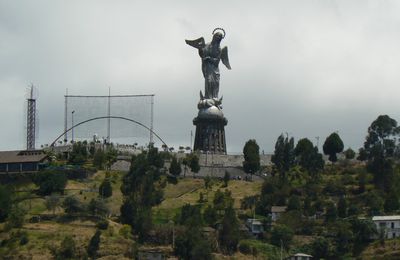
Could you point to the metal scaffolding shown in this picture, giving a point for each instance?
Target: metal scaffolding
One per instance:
(31, 122)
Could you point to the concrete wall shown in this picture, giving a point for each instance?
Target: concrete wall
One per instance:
(222, 160)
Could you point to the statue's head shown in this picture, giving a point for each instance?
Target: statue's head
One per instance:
(218, 35)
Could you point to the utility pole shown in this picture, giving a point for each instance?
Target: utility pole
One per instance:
(151, 120)
(191, 140)
(109, 114)
(66, 116)
(72, 122)
(317, 137)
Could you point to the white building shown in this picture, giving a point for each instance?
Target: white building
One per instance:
(390, 225)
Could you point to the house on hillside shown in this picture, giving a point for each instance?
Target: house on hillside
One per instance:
(276, 211)
(22, 161)
(255, 226)
(388, 225)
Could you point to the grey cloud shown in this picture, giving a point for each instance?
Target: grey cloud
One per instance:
(303, 67)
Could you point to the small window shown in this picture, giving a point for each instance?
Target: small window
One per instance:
(392, 225)
(393, 235)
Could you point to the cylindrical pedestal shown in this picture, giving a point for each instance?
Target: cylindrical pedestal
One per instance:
(210, 131)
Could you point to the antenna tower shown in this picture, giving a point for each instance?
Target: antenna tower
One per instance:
(31, 122)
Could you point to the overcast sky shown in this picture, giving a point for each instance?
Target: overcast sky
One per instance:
(305, 67)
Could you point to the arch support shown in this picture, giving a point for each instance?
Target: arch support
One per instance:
(109, 117)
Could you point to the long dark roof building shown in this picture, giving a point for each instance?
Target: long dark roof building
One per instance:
(21, 161)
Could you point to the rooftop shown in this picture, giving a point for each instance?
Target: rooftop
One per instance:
(301, 254)
(383, 218)
(278, 209)
(22, 156)
(254, 221)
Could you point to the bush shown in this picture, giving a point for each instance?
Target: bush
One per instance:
(72, 205)
(23, 240)
(67, 248)
(16, 218)
(282, 234)
(5, 202)
(98, 207)
(105, 189)
(244, 248)
(102, 224)
(126, 231)
(348, 180)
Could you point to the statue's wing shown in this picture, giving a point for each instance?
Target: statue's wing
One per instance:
(198, 43)
(224, 57)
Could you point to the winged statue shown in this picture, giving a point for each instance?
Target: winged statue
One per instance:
(211, 54)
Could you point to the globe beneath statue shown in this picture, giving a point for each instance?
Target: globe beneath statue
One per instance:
(212, 112)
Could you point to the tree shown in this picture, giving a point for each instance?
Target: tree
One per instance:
(375, 203)
(362, 181)
(229, 233)
(362, 155)
(308, 209)
(294, 203)
(284, 156)
(210, 215)
(193, 162)
(105, 188)
(94, 244)
(67, 249)
(350, 154)
(282, 235)
(111, 156)
(333, 145)
(308, 157)
(344, 237)
(16, 217)
(52, 202)
(5, 202)
(142, 190)
(379, 148)
(363, 229)
(251, 153)
(191, 244)
(79, 153)
(342, 208)
(331, 212)
(175, 167)
(50, 181)
(99, 159)
(227, 177)
(391, 202)
(72, 205)
(322, 248)
(222, 200)
(190, 215)
(98, 207)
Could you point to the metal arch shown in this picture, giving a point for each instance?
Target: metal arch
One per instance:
(108, 117)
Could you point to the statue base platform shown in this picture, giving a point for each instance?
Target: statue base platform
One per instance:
(210, 131)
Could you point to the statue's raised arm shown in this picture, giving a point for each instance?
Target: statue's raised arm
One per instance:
(211, 53)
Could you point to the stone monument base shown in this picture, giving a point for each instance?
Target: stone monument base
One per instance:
(210, 131)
